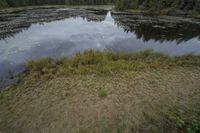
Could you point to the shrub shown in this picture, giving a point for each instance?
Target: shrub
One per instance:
(102, 93)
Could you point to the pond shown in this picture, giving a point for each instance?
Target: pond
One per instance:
(57, 33)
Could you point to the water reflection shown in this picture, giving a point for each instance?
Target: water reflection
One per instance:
(11, 24)
(61, 33)
(159, 29)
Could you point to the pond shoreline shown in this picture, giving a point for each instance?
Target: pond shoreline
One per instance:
(163, 12)
(138, 29)
(172, 13)
(99, 63)
(18, 9)
(98, 81)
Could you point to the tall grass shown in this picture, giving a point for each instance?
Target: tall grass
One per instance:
(108, 62)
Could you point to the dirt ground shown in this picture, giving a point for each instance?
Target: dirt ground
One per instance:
(135, 101)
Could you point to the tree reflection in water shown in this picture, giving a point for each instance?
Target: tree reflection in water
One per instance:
(159, 29)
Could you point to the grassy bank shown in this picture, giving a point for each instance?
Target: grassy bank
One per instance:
(105, 92)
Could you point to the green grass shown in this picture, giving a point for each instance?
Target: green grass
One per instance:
(102, 93)
(96, 62)
(185, 125)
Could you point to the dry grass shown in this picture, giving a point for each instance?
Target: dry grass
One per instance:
(137, 100)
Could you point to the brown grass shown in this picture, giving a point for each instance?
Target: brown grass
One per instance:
(137, 100)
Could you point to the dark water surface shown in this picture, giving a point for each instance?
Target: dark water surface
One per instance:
(62, 32)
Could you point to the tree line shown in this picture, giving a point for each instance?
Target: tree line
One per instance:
(158, 4)
(86, 2)
(16, 3)
(120, 4)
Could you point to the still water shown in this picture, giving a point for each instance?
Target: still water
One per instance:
(66, 36)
